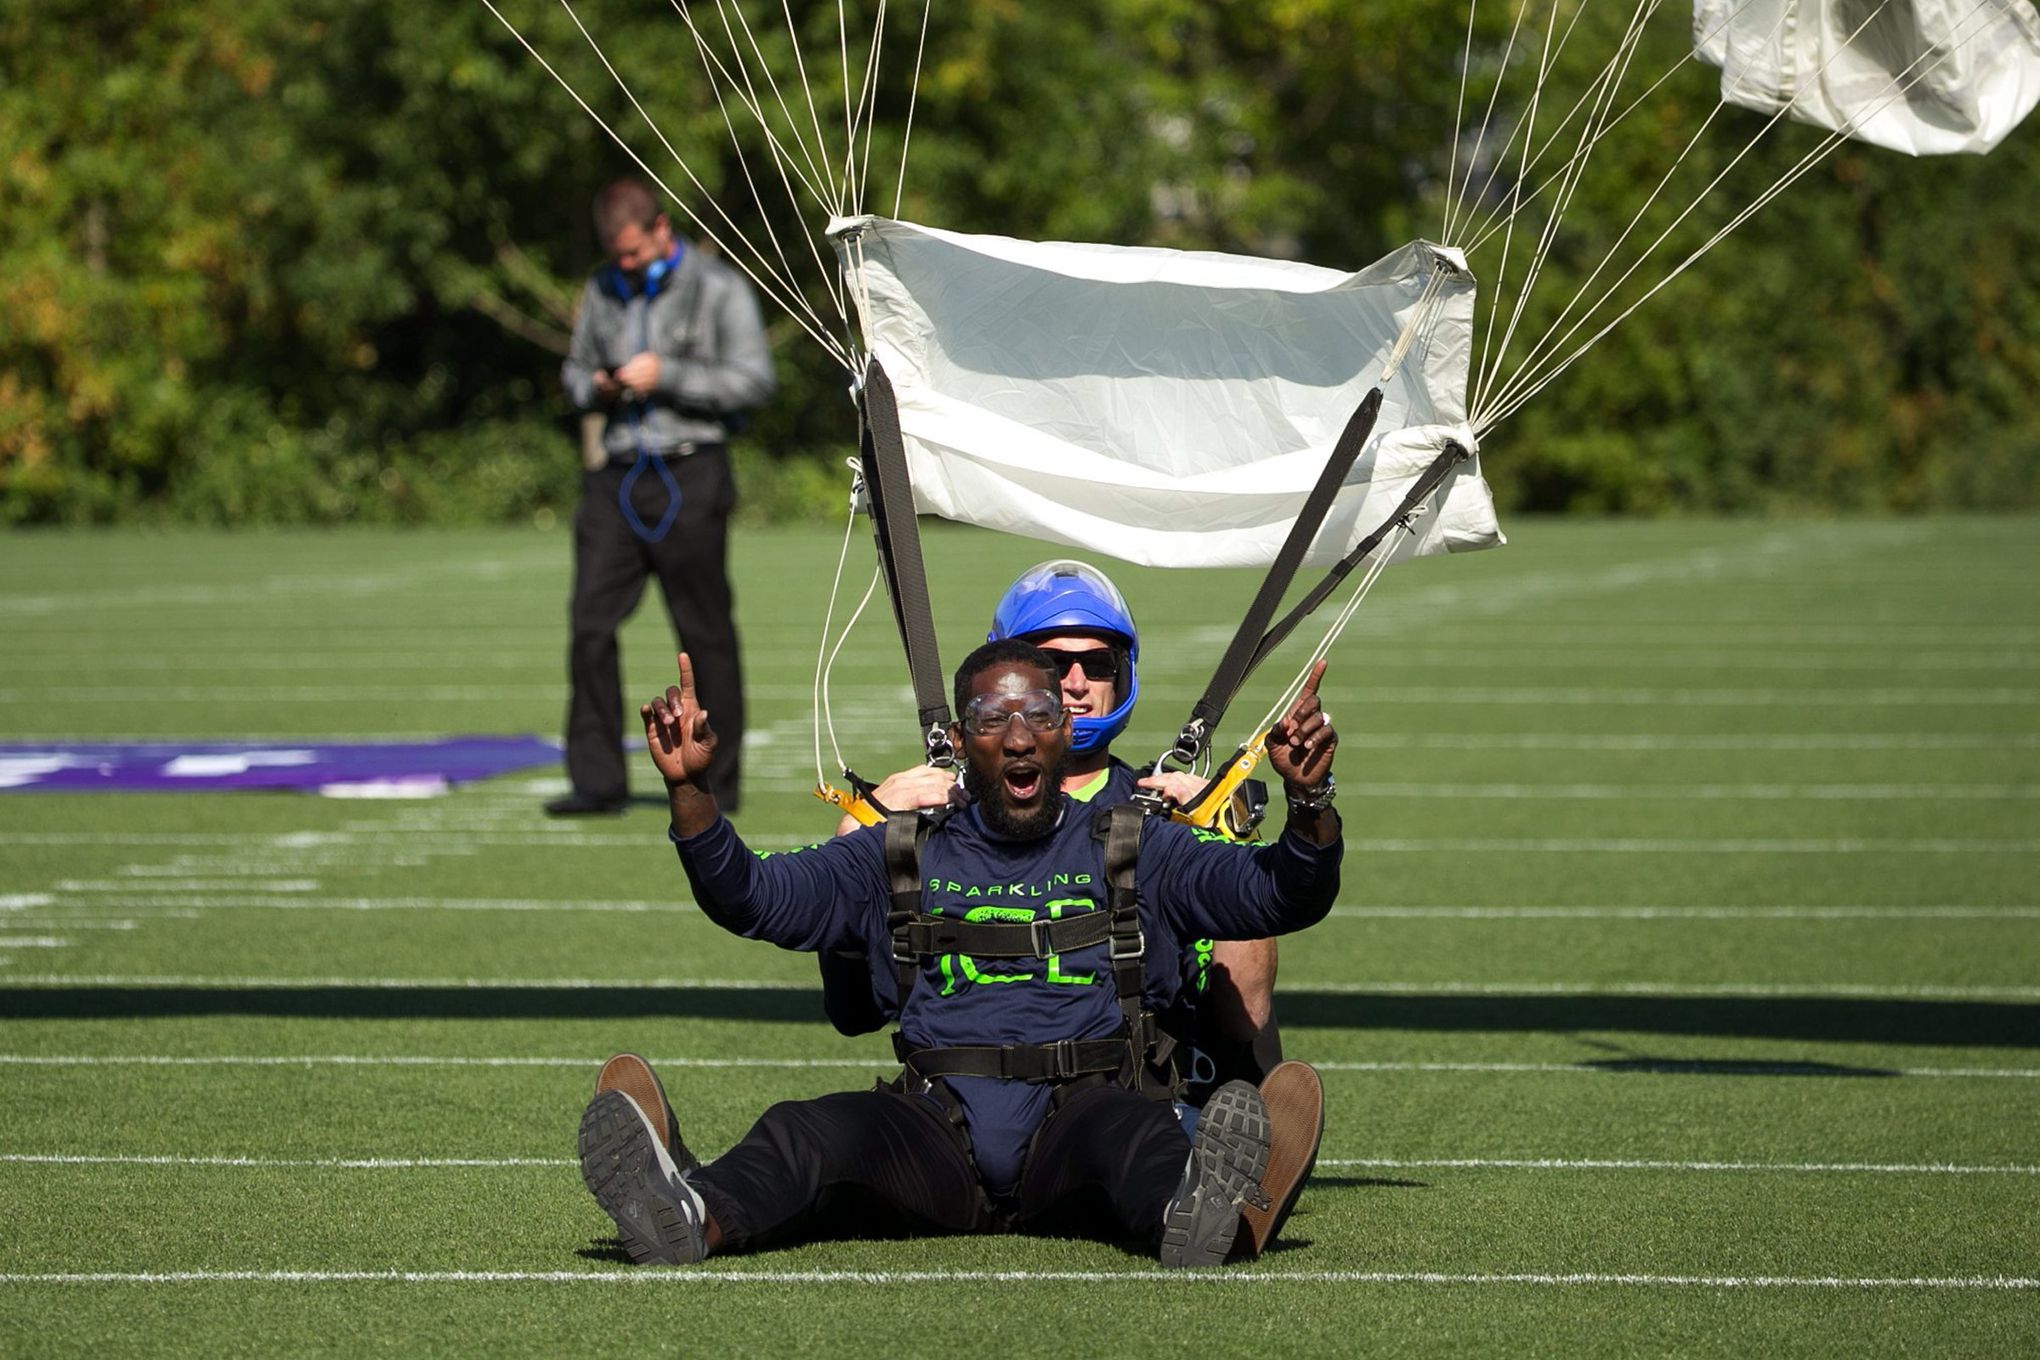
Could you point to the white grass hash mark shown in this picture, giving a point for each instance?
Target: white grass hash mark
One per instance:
(711, 1276)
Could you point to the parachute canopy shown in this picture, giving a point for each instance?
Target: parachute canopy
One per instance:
(1165, 407)
(1927, 77)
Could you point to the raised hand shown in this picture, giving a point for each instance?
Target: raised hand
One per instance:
(1300, 746)
(677, 731)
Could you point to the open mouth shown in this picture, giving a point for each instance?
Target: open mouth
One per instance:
(1023, 781)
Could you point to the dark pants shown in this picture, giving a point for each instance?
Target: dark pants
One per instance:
(869, 1163)
(611, 565)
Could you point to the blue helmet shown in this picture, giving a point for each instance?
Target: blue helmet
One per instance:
(1072, 597)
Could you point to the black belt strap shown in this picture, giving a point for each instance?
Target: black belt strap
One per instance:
(898, 530)
(1060, 1061)
(1001, 939)
(1241, 653)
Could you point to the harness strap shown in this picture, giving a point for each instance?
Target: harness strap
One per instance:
(903, 835)
(893, 520)
(1428, 481)
(1120, 829)
(1242, 653)
(1001, 939)
(1063, 1060)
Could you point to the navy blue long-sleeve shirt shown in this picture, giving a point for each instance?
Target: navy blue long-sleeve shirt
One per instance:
(1191, 885)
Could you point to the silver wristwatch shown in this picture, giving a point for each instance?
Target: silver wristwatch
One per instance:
(1313, 799)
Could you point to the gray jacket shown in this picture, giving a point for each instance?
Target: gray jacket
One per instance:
(704, 326)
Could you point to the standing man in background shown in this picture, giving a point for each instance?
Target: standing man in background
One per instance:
(670, 349)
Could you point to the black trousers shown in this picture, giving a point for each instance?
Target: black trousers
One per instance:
(874, 1163)
(611, 565)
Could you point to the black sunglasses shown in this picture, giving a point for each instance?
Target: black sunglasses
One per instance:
(1101, 664)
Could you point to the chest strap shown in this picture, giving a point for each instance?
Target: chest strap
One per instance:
(1000, 939)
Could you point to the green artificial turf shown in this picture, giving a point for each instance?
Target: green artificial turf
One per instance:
(1683, 995)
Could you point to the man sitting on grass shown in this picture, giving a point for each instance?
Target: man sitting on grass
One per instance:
(1036, 937)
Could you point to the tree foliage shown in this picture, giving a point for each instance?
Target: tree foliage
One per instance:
(313, 260)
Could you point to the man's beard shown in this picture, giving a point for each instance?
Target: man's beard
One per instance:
(989, 793)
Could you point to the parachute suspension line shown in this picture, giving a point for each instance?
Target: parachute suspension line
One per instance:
(806, 86)
(1458, 109)
(1523, 125)
(1602, 92)
(854, 284)
(795, 306)
(783, 161)
(1785, 181)
(1527, 383)
(826, 654)
(712, 63)
(1381, 555)
(1456, 197)
(1492, 221)
(867, 103)
(809, 170)
(913, 99)
(1421, 316)
(1527, 125)
(784, 280)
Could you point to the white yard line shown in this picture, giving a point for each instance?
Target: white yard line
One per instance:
(1804, 991)
(1694, 913)
(237, 983)
(1869, 793)
(404, 1060)
(1588, 1068)
(1635, 1164)
(1187, 1278)
(128, 900)
(1756, 1067)
(1701, 741)
(1373, 1163)
(413, 842)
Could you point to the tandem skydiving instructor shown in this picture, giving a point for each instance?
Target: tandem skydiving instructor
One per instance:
(669, 346)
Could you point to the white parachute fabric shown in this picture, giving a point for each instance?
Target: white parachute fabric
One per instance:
(1165, 407)
(1926, 77)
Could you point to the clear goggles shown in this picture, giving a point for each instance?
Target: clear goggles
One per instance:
(1040, 709)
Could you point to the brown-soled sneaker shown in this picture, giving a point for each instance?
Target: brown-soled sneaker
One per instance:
(632, 1075)
(1295, 1096)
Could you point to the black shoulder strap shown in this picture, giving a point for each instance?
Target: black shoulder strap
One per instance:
(1240, 654)
(1119, 829)
(1429, 480)
(904, 832)
(884, 458)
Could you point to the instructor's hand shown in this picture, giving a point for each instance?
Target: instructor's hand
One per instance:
(677, 731)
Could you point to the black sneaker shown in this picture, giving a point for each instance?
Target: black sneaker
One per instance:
(627, 1168)
(1228, 1157)
(632, 1075)
(578, 804)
